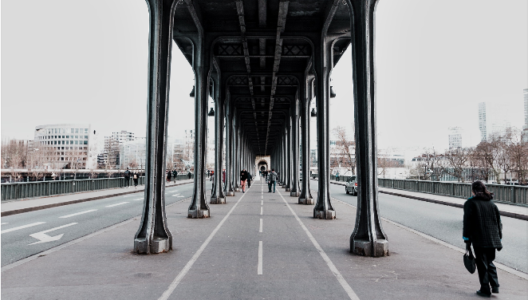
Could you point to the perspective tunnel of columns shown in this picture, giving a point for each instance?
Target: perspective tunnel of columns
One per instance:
(263, 62)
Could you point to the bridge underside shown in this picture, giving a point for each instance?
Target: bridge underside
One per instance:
(262, 62)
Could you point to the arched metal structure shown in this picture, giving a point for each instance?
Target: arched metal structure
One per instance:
(266, 60)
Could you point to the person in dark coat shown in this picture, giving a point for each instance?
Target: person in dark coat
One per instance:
(127, 178)
(483, 230)
(249, 178)
(243, 180)
(136, 178)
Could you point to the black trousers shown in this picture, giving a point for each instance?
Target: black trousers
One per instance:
(487, 272)
(127, 181)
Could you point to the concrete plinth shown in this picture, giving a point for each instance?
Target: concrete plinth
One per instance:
(238, 190)
(287, 189)
(364, 248)
(157, 245)
(218, 201)
(328, 214)
(198, 214)
(307, 201)
(295, 194)
(230, 194)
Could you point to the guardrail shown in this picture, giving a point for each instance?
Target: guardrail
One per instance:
(22, 190)
(503, 193)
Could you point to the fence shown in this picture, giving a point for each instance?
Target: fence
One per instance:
(503, 193)
(22, 190)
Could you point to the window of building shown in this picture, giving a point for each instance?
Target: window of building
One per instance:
(86, 142)
(76, 130)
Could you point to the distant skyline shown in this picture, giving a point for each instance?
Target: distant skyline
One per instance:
(433, 66)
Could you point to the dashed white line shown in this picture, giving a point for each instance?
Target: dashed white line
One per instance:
(22, 227)
(259, 266)
(116, 204)
(79, 213)
(261, 210)
(138, 199)
(261, 202)
(350, 292)
(260, 229)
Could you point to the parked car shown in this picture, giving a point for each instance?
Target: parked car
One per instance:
(351, 186)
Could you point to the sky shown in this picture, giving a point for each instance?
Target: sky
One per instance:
(66, 61)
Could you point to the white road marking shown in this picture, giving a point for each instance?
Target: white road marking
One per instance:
(259, 266)
(350, 292)
(44, 238)
(261, 202)
(261, 210)
(116, 204)
(22, 227)
(138, 199)
(196, 255)
(79, 213)
(260, 229)
(4, 223)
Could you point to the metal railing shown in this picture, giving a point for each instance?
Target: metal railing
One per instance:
(32, 189)
(503, 193)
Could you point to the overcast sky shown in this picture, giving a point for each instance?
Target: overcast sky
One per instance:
(70, 61)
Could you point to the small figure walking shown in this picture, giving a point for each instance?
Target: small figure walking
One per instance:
(169, 176)
(189, 174)
(243, 180)
(337, 176)
(127, 178)
(136, 179)
(272, 180)
(174, 175)
(249, 178)
(483, 229)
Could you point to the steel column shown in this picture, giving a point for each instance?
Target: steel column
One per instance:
(288, 154)
(294, 185)
(229, 189)
(368, 237)
(218, 196)
(153, 236)
(306, 195)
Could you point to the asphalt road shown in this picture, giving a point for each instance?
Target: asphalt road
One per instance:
(444, 223)
(71, 222)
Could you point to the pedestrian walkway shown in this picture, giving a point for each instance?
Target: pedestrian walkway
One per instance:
(509, 210)
(32, 204)
(259, 245)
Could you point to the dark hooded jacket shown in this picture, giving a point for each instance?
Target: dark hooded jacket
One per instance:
(482, 222)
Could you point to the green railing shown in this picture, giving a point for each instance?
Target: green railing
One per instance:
(503, 193)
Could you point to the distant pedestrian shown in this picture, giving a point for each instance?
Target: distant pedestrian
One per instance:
(223, 176)
(189, 174)
(127, 178)
(483, 229)
(169, 176)
(337, 176)
(272, 180)
(249, 178)
(174, 175)
(136, 179)
(243, 180)
(208, 173)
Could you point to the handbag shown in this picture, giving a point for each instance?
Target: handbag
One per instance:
(469, 261)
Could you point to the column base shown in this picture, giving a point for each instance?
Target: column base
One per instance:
(364, 248)
(198, 214)
(230, 194)
(238, 190)
(218, 201)
(287, 189)
(158, 245)
(328, 214)
(307, 201)
(295, 194)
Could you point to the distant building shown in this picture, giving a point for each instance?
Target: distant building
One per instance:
(132, 154)
(112, 144)
(455, 138)
(525, 129)
(482, 121)
(67, 145)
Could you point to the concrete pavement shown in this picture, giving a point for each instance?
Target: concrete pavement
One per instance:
(235, 255)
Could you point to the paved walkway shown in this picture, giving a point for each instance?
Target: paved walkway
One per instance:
(257, 246)
(32, 204)
(510, 210)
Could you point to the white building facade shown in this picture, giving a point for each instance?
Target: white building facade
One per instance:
(67, 145)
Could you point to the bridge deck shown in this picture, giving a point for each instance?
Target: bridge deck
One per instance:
(302, 258)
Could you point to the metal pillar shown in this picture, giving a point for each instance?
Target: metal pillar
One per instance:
(218, 196)
(153, 236)
(306, 195)
(236, 171)
(199, 207)
(288, 154)
(323, 64)
(294, 185)
(229, 189)
(368, 237)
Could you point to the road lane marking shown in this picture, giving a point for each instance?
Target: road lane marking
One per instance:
(261, 202)
(79, 213)
(4, 223)
(261, 210)
(138, 199)
(260, 229)
(22, 227)
(350, 292)
(259, 266)
(44, 238)
(116, 204)
(196, 255)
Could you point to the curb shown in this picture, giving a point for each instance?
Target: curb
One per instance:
(28, 209)
(502, 213)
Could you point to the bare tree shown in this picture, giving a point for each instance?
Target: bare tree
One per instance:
(346, 148)
(456, 162)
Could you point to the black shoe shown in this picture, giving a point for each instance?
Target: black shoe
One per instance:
(495, 289)
(482, 294)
